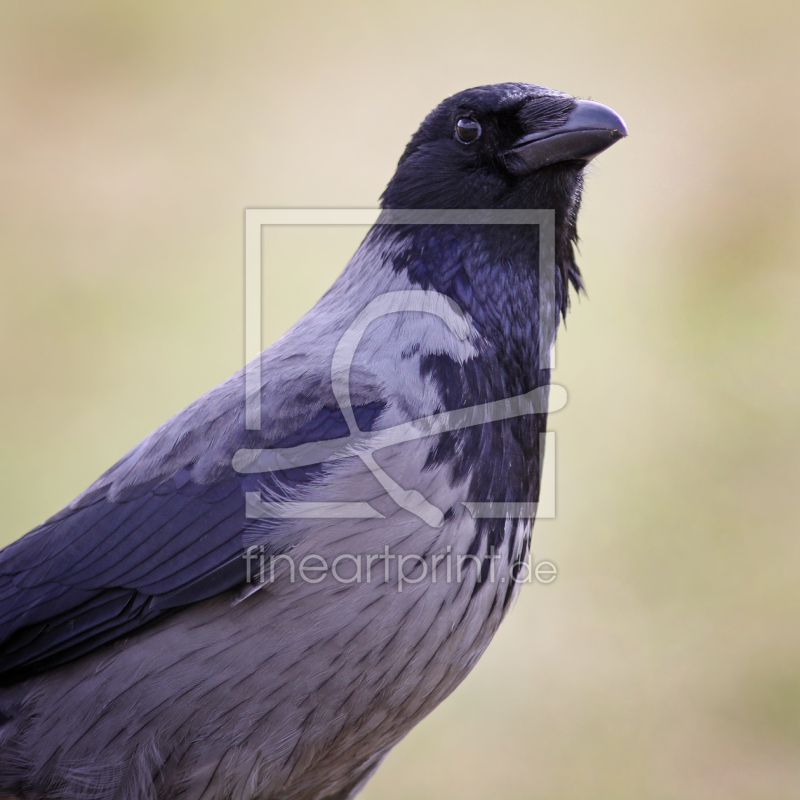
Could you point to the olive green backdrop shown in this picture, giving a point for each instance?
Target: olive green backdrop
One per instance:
(662, 664)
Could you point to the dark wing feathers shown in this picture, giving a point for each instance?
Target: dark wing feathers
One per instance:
(115, 561)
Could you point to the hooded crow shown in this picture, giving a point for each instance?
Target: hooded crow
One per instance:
(261, 612)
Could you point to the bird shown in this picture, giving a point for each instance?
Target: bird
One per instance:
(240, 611)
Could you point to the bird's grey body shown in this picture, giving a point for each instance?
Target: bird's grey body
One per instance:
(333, 673)
(138, 663)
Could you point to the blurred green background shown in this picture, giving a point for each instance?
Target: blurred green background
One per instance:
(664, 662)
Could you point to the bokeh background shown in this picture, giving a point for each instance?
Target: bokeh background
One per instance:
(664, 662)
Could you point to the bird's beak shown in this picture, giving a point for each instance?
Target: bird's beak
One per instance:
(590, 128)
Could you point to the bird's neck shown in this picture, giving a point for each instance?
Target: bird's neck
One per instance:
(494, 277)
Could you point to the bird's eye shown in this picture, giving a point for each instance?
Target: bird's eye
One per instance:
(467, 130)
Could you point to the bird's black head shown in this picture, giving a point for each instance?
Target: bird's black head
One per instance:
(506, 146)
(511, 145)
